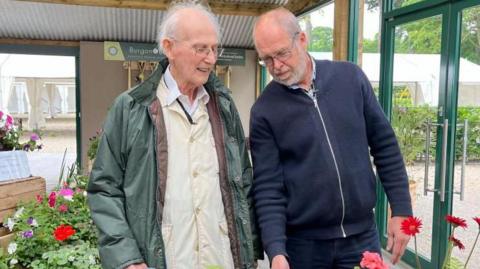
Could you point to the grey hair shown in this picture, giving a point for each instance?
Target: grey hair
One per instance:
(286, 20)
(168, 27)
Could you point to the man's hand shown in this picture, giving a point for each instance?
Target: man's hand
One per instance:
(280, 262)
(396, 238)
(137, 266)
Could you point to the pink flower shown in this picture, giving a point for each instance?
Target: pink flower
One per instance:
(9, 122)
(372, 260)
(52, 199)
(34, 137)
(39, 199)
(66, 193)
(63, 208)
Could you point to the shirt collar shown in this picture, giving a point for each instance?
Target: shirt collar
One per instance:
(174, 92)
(314, 74)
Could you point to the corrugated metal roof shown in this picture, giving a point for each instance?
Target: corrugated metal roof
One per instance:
(30, 20)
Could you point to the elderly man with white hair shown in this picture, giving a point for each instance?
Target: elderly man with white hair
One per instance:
(170, 187)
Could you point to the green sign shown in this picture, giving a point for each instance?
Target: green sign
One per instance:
(125, 51)
(232, 57)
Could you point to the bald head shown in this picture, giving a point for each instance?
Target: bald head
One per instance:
(279, 20)
(282, 47)
(178, 19)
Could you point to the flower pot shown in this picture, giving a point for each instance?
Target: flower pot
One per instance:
(14, 191)
(5, 238)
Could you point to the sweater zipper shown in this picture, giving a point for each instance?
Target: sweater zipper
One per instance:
(314, 98)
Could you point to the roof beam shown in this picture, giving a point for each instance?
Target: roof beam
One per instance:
(218, 7)
(14, 41)
(302, 6)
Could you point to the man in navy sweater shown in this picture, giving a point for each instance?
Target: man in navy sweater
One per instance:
(313, 132)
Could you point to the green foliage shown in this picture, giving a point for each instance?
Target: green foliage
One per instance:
(409, 124)
(371, 45)
(454, 264)
(471, 35)
(321, 39)
(34, 224)
(423, 36)
(81, 256)
(92, 149)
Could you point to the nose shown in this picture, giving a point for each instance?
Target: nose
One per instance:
(276, 64)
(211, 57)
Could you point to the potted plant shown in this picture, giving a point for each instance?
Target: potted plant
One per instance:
(54, 231)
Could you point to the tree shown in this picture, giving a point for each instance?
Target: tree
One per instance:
(424, 36)
(321, 39)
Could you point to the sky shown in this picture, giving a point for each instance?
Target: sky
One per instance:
(324, 17)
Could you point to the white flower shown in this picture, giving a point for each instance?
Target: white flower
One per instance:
(34, 223)
(10, 224)
(72, 185)
(13, 261)
(19, 212)
(12, 247)
(85, 193)
(92, 259)
(68, 197)
(71, 258)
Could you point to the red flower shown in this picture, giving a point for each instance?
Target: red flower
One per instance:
(372, 260)
(456, 242)
(411, 226)
(477, 219)
(39, 199)
(456, 221)
(63, 232)
(63, 208)
(52, 198)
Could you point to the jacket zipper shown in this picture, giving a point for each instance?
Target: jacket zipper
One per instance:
(314, 98)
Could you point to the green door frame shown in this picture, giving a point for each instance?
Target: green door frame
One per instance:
(450, 10)
(58, 51)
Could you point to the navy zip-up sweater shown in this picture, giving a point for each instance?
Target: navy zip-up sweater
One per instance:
(313, 177)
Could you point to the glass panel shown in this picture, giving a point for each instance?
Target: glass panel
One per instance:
(404, 3)
(416, 72)
(318, 24)
(369, 56)
(467, 144)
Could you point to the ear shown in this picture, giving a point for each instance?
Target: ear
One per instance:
(302, 37)
(167, 45)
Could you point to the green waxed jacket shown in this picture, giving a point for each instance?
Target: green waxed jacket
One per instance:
(127, 184)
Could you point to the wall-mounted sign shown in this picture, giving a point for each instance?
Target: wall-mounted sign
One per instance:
(232, 57)
(126, 51)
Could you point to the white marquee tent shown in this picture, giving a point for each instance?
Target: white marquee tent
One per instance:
(37, 83)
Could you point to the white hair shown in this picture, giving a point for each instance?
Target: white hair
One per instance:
(169, 26)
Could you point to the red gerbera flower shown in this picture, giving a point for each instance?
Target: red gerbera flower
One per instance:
(63, 232)
(456, 243)
(411, 226)
(456, 221)
(477, 219)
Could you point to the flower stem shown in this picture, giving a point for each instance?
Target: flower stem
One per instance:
(447, 258)
(473, 248)
(416, 253)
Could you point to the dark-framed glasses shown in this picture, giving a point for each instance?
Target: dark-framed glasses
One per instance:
(281, 55)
